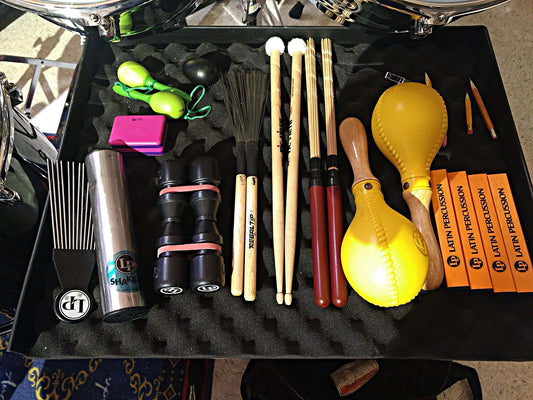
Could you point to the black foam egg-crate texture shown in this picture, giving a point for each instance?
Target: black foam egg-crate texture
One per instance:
(445, 323)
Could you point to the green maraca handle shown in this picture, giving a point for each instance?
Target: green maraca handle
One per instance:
(132, 94)
(134, 74)
(177, 92)
(164, 103)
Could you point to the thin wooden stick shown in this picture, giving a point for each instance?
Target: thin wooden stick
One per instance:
(427, 80)
(468, 115)
(296, 50)
(483, 110)
(274, 48)
(312, 102)
(327, 71)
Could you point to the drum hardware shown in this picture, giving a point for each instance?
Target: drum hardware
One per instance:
(113, 19)
(18, 136)
(7, 133)
(39, 64)
(401, 16)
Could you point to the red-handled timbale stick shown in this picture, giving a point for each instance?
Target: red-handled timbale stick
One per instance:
(339, 289)
(316, 190)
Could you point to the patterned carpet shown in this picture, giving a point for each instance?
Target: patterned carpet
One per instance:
(22, 378)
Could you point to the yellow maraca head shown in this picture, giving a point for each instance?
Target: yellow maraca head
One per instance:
(409, 123)
(384, 256)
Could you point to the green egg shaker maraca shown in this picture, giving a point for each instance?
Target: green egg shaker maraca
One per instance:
(134, 74)
(164, 103)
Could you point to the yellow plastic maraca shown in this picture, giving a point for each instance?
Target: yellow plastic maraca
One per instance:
(384, 256)
(409, 123)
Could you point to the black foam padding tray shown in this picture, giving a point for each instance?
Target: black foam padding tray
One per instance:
(443, 324)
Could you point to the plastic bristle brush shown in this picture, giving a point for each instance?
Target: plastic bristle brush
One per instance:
(73, 237)
(245, 103)
(233, 98)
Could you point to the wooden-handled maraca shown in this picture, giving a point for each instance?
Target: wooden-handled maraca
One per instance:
(164, 103)
(135, 75)
(409, 123)
(384, 256)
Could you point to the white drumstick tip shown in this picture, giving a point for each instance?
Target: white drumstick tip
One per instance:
(296, 45)
(288, 299)
(274, 43)
(279, 298)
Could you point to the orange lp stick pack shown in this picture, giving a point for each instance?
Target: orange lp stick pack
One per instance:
(513, 235)
(449, 239)
(476, 262)
(497, 260)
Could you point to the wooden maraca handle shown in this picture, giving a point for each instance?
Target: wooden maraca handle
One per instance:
(353, 138)
(420, 217)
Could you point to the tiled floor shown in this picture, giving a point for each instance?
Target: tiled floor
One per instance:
(512, 37)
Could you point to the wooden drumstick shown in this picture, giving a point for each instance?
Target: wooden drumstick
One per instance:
(339, 288)
(239, 221)
(296, 49)
(483, 109)
(316, 190)
(274, 47)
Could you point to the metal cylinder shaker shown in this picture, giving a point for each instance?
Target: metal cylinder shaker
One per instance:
(122, 298)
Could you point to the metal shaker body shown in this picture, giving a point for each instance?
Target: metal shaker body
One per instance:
(122, 298)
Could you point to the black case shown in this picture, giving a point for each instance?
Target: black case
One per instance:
(443, 324)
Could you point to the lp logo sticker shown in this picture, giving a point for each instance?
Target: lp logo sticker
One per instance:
(74, 305)
(498, 266)
(453, 261)
(521, 266)
(125, 263)
(476, 263)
